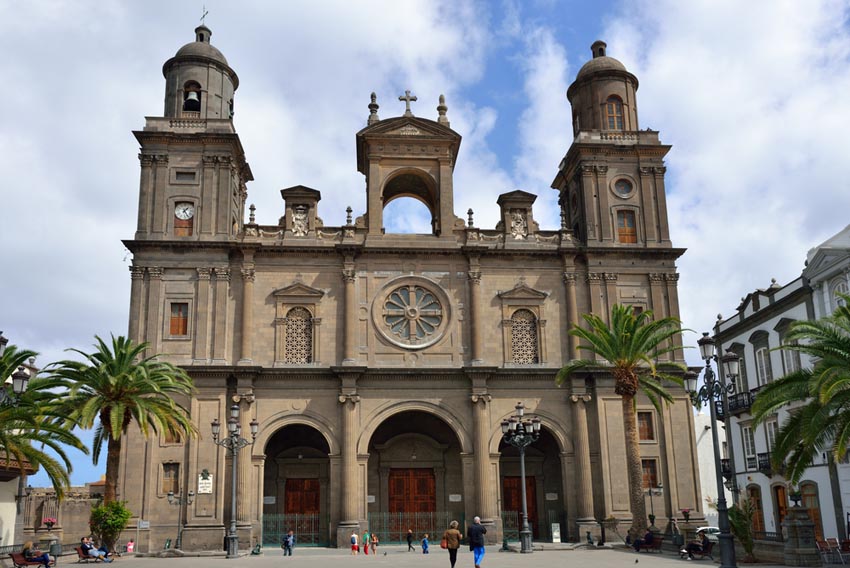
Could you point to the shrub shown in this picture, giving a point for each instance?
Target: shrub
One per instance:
(107, 521)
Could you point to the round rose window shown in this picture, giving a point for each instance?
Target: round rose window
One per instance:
(411, 314)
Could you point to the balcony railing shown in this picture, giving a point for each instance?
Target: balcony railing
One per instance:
(764, 463)
(740, 402)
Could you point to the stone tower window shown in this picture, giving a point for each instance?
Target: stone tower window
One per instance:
(626, 226)
(192, 97)
(299, 337)
(524, 338)
(614, 113)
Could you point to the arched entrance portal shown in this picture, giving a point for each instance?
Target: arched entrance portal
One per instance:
(296, 486)
(543, 485)
(415, 477)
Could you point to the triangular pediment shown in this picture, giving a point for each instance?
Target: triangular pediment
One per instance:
(298, 290)
(516, 195)
(409, 126)
(523, 292)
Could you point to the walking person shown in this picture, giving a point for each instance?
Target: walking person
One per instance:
(354, 548)
(288, 543)
(452, 537)
(366, 542)
(410, 540)
(374, 544)
(425, 544)
(475, 533)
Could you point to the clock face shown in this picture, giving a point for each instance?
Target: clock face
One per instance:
(184, 211)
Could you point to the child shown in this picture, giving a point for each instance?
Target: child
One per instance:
(425, 544)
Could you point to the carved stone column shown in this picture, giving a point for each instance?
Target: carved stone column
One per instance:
(201, 354)
(247, 316)
(145, 196)
(475, 316)
(137, 290)
(594, 281)
(572, 311)
(158, 212)
(484, 487)
(246, 463)
(349, 409)
(222, 282)
(584, 485)
(673, 298)
(610, 292)
(154, 323)
(349, 276)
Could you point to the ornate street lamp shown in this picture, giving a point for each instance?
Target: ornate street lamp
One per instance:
(179, 500)
(520, 432)
(20, 379)
(652, 492)
(233, 442)
(710, 392)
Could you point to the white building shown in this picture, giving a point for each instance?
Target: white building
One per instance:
(754, 332)
(705, 456)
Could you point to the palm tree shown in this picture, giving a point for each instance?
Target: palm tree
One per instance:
(116, 386)
(629, 349)
(822, 423)
(33, 425)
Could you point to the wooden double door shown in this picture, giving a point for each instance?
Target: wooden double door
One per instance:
(512, 499)
(301, 497)
(412, 490)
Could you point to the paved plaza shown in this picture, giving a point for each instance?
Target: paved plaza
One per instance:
(397, 556)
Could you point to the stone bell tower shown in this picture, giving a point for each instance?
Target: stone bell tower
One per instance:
(194, 171)
(409, 156)
(611, 182)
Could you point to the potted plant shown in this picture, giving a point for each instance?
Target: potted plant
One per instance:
(687, 514)
(49, 522)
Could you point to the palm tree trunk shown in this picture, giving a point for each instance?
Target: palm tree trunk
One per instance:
(113, 455)
(635, 467)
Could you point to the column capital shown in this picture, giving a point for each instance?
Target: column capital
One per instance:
(671, 277)
(146, 160)
(594, 276)
(353, 398)
(611, 276)
(584, 397)
(656, 277)
(222, 274)
(203, 273)
(248, 274)
(137, 272)
(474, 277)
(570, 278)
(480, 397)
(349, 275)
(155, 272)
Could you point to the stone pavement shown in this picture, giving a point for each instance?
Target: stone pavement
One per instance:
(398, 557)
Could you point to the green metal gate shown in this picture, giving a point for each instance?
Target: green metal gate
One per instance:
(392, 528)
(511, 524)
(310, 530)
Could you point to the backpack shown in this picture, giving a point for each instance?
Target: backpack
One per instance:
(354, 540)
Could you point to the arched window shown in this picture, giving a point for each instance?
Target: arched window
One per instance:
(614, 113)
(299, 337)
(839, 287)
(524, 346)
(811, 503)
(754, 495)
(192, 97)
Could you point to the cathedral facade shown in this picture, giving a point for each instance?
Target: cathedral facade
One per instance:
(378, 367)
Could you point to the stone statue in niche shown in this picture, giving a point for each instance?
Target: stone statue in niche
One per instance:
(519, 228)
(299, 221)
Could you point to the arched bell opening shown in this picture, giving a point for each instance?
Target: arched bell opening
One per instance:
(415, 477)
(296, 486)
(420, 189)
(192, 97)
(544, 487)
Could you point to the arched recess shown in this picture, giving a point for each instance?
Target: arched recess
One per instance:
(296, 480)
(547, 422)
(415, 475)
(415, 184)
(276, 422)
(381, 414)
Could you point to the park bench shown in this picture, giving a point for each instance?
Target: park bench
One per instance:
(83, 557)
(701, 554)
(654, 546)
(20, 561)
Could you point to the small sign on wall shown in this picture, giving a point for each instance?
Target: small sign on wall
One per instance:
(551, 496)
(556, 532)
(205, 484)
(269, 499)
(370, 498)
(455, 498)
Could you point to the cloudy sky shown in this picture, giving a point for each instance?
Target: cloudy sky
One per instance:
(752, 96)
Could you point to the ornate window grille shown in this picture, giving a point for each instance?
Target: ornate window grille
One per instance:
(299, 336)
(524, 345)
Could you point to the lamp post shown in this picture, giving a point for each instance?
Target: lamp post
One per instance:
(521, 432)
(652, 491)
(233, 442)
(20, 379)
(710, 392)
(178, 500)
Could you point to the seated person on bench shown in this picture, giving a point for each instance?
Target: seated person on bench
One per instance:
(645, 541)
(696, 546)
(90, 550)
(33, 554)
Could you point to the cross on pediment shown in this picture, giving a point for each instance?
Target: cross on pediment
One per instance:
(407, 97)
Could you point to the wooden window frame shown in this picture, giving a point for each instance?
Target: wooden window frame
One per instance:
(178, 325)
(651, 416)
(614, 113)
(173, 481)
(623, 233)
(649, 479)
(750, 458)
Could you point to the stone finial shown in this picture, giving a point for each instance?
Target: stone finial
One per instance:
(563, 220)
(348, 211)
(373, 110)
(441, 111)
(469, 223)
(719, 317)
(252, 208)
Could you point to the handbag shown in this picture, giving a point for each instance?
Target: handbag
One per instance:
(444, 543)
